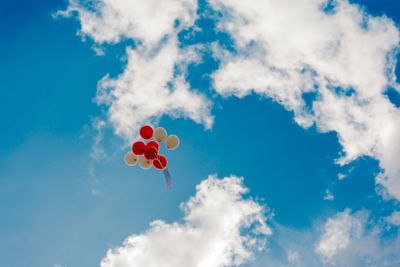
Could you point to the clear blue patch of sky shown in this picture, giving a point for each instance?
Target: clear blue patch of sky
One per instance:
(48, 75)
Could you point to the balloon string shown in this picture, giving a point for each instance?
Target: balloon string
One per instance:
(168, 178)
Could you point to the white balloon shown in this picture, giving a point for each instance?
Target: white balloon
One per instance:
(131, 159)
(145, 163)
(160, 134)
(172, 142)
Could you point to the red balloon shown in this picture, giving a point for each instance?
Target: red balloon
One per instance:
(160, 163)
(146, 132)
(138, 148)
(153, 144)
(150, 152)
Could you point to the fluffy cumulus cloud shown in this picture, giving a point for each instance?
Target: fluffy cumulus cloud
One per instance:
(394, 218)
(328, 62)
(147, 89)
(152, 83)
(220, 228)
(339, 56)
(338, 231)
(350, 239)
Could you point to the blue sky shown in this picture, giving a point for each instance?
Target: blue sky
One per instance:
(60, 206)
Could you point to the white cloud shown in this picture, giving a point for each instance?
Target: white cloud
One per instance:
(147, 22)
(349, 239)
(220, 228)
(328, 195)
(345, 57)
(338, 231)
(152, 83)
(394, 218)
(147, 89)
(292, 256)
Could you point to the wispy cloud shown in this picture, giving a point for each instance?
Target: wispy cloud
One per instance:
(329, 195)
(338, 231)
(350, 239)
(394, 218)
(341, 176)
(345, 238)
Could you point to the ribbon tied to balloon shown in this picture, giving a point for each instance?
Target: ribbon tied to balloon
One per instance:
(146, 152)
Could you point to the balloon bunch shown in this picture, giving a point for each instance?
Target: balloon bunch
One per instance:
(148, 154)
